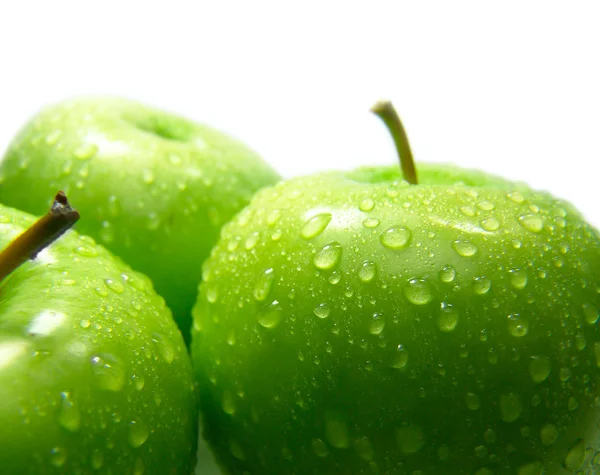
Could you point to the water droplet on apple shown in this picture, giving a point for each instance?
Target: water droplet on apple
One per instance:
(490, 436)
(138, 467)
(481, 285)
(518, 278)
(418, 292)
(447, 274)
(486, 205)
(472, 401)
(531, 468)
(548, 434)
(336, 430)
(86, 251)
(236, 450)
(464, 248)
(273, 217)
(395, 237)
(164, 346)
(576, 455)
(53, 137)
(510, 406)
(468, 211)
(371, 223)
(85, 151)
(68, 416)
(315, 225)
(109, 372)
(138, 433)
(564, 374)
(539, 368)
(377, 324)
(367, 271)
(572, 404)
(270, 315)
(516, 197)
(107, 232)
(335, 277)
(532, 222)
(251, 240)
(447, 318)
(322, 310)
(400, 357)
(58, 456)
(410, 439)
(85, 323)
(97, 459)
(147, 176)
(228, 403)
(490, 224)
(366, 205)
(363, 448)
(590, 313)
(264, 284)
(319, 448)
(114, 285)
(518, 326)
(329, 256)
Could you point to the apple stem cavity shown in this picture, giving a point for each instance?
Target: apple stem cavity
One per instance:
(387, 113)
(40, 235)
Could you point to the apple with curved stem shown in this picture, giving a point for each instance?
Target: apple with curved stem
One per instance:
(94, 374)
(369, 325)
(150, 183)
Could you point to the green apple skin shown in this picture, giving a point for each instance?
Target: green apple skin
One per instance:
(351, 323)
(94, 374)
(154, 188)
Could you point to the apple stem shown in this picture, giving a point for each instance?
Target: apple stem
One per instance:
(386, 112)
(40, 235)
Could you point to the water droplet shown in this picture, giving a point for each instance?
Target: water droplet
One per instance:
(329, 256)
(486, 205)
(572, 404)
(418, 292)
(467, 211)
(85, 323)
(138, 434)
(377, 324)
(576, 455)
(97, 459)
(590, 314)
(395, 237)
(58, 456)
(410, 439)
(481, 285)
(366, 205)
(371, 223)
(400, 358)
(539, 368)
(336, 430)
(107, 232)
(53, 137)
(448, 318)
(69, 416)
(363, 448)
(531, 222)
(264, 284)
(472, 401)
(164, 346)
(228, 403)
(490, 224)
(367, 272)
(147, 176)
(464, 248)
(315, 225)
(85, 251)
(273, 217)
(85, 151)
(516, 197)
(531, 468)
(236, 450)
(335, 277)
(114, 285)
(564, 374)
(518, 278)
(319, 448)
(251, 240)
(109, 372)
(517, 325)
(489, 436)
(548, 434)
(270, 315)
(447, 274)
(322, 310)
(510, 406)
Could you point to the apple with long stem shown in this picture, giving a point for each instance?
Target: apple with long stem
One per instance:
(94, 374)
(155, 188)
(373, 322)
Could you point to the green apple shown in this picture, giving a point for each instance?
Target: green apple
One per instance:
(352, 322)
(155, 188)
(94, 374)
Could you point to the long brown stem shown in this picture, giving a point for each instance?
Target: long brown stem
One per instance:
(386, 112)
(40, 235)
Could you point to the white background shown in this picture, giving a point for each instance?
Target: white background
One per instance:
(511, 87)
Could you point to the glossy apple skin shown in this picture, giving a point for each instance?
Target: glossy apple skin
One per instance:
(350, 323)
(154, 188)
(94, 374)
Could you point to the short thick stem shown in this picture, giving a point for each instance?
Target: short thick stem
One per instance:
(386, 112)
(40, 235)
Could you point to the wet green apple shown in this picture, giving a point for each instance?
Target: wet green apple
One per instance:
(94, 374)
(360, 322)
(155, 188)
